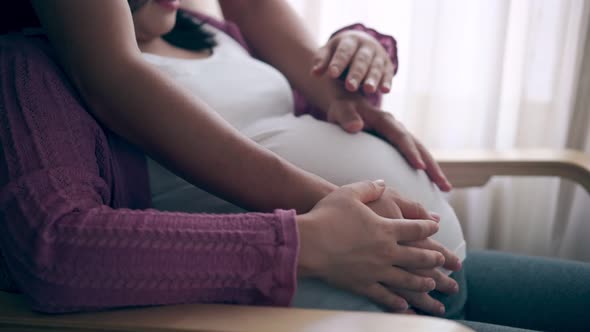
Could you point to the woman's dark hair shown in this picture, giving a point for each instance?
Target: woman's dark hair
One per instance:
(188, 33)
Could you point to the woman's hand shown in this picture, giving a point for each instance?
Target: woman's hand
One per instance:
(359, 55)
(353, 113)
(444, 284)
(343, 242)
(393, 206)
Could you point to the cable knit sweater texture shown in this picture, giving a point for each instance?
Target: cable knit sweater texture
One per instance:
(76, 229)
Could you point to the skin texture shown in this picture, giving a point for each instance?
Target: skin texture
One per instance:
(139, 103)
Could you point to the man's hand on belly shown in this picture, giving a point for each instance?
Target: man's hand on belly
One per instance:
(353, 113)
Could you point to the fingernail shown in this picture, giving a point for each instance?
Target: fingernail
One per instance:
(334, 71)
(402, 305)
(387, 86)
(431, 285)
(435, 216)
(354, 83)
(455, 287)
(380, 183)
(441, 309)
(371, 84)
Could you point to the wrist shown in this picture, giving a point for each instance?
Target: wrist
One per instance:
(305, 265)
(315, 190)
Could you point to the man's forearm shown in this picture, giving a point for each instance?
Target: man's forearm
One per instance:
(279, 37)
(190, 138)
(97, 48)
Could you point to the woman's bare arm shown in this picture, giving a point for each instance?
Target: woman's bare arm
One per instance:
(96, 45)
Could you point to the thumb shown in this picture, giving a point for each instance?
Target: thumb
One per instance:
(348, 118)
(367, 191)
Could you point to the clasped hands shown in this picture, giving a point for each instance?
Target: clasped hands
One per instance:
(379, 246)
(366, 238)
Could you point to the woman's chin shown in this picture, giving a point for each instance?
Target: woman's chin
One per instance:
(171, 5)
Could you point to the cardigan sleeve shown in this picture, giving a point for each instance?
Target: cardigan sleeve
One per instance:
(67, 249)
(302, 106)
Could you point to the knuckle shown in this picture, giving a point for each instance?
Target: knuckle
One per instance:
(362, 57)
(339, 58)
(377, 64)
(419, 208)
(359, 67)
(375, 72)
(386, 116)
(419, 284)
(412, 228)
(347, 191)
(370, 184)
(356, 74)
(421, 230)
(424, 259)
(389, 252)
(408, 279)
(438, 247)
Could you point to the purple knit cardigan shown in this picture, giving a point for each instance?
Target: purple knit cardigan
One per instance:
(76, 229)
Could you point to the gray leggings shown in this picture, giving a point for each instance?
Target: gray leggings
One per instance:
(499, 292)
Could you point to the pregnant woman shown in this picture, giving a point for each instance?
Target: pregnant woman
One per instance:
(192, 96)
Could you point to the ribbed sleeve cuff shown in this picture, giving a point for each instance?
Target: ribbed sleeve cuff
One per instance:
(285, 274)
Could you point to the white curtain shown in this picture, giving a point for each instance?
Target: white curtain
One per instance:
(496, 74)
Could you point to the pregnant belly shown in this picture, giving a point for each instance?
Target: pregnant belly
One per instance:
(341, 158)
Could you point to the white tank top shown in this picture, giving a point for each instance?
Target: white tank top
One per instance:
(228, 78)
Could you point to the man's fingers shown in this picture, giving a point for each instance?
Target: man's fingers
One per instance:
(322, 59)
(396, 134)
(401, 279)
(365, 191)
(376, 72)
(433, 170)
(359, 67)
(347, 117)
(381, 295)
(444, 283)
(412, 210)
(413, 230)
(422, 301)
(342, 56)
(418, 258)
(405, 143)
(387, 79)
(452, 262)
